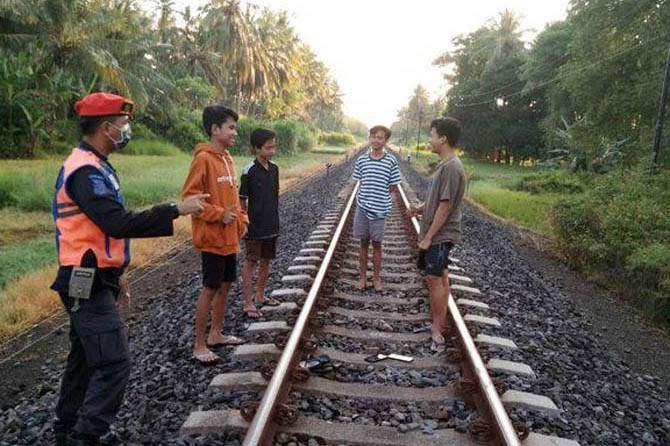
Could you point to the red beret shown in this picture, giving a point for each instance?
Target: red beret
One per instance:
(103, 104)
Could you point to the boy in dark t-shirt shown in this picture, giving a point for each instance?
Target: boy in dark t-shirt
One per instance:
(259, 196)
(441, 222)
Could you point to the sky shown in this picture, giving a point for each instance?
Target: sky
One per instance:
(379, 50)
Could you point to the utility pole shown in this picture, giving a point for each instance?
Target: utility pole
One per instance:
(418, 133)
(661, 112)
(407, 132)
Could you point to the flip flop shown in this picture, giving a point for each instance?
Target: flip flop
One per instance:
(270, 302)
(207, 359)
(252, 313)
(227, 340)
(319, 363)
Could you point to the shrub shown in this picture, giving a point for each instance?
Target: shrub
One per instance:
(619, 229)
(153, 147)
(287, 136)
(291, 135)
(307, 138)
(186, 131)
(558, 182)
(141, 131)
(336, 139)
(245, 126)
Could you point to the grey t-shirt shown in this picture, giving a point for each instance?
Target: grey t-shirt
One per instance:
(447, 183)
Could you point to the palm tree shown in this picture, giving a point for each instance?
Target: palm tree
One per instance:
(90, 52)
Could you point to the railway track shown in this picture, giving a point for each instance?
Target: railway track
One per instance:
(322, 366)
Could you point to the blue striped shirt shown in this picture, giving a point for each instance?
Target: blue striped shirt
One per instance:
(376, 176)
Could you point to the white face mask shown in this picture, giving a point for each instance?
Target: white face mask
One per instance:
(126, 135)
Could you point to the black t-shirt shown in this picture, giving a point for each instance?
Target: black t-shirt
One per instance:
(260, 187)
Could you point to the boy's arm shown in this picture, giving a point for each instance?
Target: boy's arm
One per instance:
(195, 184)
(244, 199)
(394, 181)
(357, 173)
(439, 220)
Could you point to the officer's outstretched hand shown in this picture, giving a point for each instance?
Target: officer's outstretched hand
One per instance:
(192, 204)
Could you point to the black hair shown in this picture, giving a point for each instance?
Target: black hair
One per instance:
(89, 124)
(381, 128)
(217, 115)
(448, 127)
(260, 136)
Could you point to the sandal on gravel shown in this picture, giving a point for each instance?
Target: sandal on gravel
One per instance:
(252, 313)
(270, 302)
(227, 340)
(207, 358)
(317, 364)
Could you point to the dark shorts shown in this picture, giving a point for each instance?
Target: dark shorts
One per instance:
(436, 259)
(265, 249)
(217, 269)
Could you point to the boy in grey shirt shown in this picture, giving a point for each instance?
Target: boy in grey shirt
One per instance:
(441, 221)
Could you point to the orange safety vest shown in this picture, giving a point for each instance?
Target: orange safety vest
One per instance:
(75, 232)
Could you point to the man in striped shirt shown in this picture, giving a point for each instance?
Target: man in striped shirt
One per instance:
(377, 170)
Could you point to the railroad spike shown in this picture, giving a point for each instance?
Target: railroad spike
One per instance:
(268, 369)
(300, 374)
(248, 410)
(482, 430)
(521, 428)
(280, 341)
(286, 415)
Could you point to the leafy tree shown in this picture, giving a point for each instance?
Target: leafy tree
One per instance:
(500, 120)
(615, 68)
(549, 52)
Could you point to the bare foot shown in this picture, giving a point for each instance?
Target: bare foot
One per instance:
(252, 312)
(378, 284)
(215, 339)
(362, 283)
(219, 340)
(205, 356)
(268, 301)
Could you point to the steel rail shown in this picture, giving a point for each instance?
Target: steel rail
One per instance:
(261, 425)
(506, 433)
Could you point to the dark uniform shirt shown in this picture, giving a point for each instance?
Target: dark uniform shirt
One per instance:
(260, 187)
(111, 217)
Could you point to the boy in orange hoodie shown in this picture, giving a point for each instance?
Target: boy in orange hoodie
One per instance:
(217, 230)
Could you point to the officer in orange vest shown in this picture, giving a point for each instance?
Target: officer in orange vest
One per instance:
(92, 232)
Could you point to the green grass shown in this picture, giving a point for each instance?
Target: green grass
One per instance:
(29, 256)
(530, 211)
(152, 147)
(26, 191)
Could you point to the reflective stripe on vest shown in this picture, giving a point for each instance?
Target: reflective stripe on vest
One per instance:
(75, 232)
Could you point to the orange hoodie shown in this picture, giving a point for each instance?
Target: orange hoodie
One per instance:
(213, 173)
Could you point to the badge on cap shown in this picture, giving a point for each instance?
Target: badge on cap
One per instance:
(104, 104)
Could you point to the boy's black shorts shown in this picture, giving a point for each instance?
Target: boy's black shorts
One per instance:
(217, 269)
(265, 249)
(435, 259)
